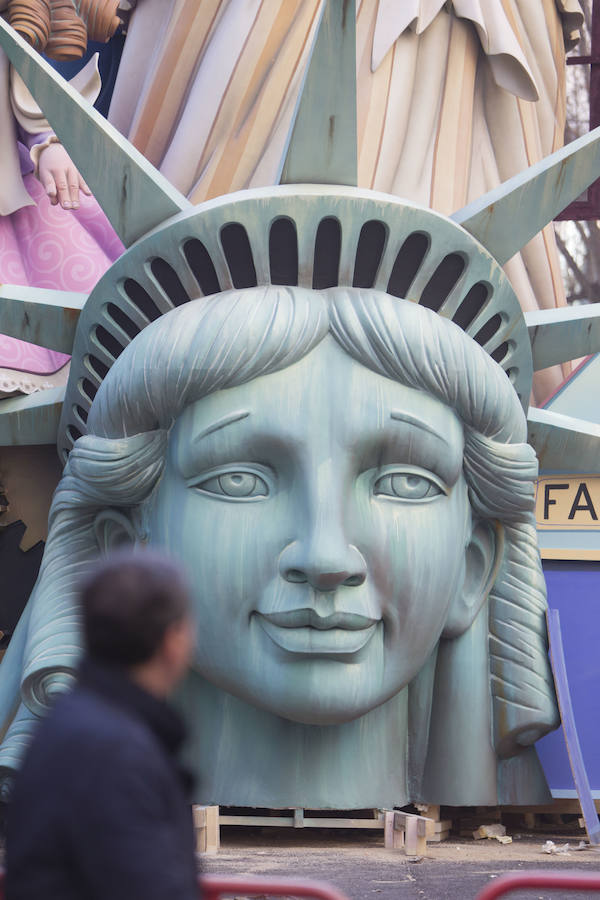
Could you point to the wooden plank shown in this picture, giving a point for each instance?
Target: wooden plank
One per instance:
(415, 837)
(266, 821)
(438, 838)
(309, 822)
(133, 194)
(206, 826)
(393, 838)
(582, 785)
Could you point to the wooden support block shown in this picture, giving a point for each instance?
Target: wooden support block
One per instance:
(415, 836)
(438, 837)
(429, 810)
(495, 830)
(298, 817)
(404, 830)
(206, 825)
(438, 827)
(393, 839)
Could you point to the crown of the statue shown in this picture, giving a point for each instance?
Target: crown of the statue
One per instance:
(313, 236)
(316, 229)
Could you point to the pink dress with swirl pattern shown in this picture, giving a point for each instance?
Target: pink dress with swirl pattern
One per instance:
(49, 247)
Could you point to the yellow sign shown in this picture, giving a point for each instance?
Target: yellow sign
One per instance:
(570, 502)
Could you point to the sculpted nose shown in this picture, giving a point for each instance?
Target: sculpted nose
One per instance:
(324, 564)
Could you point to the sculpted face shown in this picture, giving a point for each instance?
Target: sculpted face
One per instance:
(323, 517)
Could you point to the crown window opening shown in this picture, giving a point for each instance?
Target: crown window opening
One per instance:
(328, 247)
(201, 265)
(80, 411)
(122, 320)
(141, 299)
(371, 244)
(97, 366)
(73, 432)
(169, 281)
(513, 374)
(87, 390)
(238, 253)
(283, 252)
(108, 342)
(407, 263)
(442, 281)
(500, 353)
(472, 304)
(487, 331)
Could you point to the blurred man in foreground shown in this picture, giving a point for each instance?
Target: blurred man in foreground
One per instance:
(100, 808)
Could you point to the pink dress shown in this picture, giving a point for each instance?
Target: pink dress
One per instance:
(49, 247)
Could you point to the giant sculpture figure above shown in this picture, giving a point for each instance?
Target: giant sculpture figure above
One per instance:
(313, 396)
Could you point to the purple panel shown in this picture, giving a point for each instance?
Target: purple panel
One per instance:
(574, 590)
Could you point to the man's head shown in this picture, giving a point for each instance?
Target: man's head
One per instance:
(135, 609)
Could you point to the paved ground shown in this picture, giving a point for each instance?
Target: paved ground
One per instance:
(357, 863)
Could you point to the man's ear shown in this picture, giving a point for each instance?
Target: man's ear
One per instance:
(482, 555)
(113, 529)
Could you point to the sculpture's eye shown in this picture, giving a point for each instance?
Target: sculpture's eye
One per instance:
(407, 486)
(238, 485)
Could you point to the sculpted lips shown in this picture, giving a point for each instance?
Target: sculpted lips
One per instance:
(303, 631)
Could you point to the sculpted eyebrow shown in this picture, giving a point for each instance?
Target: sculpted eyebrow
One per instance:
(419, 423)
(222, 423)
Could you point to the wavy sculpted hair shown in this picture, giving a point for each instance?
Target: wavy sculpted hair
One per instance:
(231, 338)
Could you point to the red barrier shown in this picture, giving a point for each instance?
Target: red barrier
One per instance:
(563, 881)
(213, 887)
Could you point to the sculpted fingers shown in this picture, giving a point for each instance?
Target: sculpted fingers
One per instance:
(73, 185)
(83, 187)
(50, 187)
(62, 190)
(60, 177)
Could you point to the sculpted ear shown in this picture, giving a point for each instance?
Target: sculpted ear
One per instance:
(482, 556)
(113, 529)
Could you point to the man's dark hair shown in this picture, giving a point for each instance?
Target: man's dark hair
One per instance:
(128, 602)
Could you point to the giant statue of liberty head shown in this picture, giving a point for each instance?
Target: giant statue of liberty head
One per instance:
(313, 397)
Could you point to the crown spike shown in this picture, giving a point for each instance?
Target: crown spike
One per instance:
(506, 218)
(133, 194)
(563, 443)
(322, 145)
(560, 335)
(40, 316)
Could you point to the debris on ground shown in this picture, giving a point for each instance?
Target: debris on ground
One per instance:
(495, 831)
(551, 847)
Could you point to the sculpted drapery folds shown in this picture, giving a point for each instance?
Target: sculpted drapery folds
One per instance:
(453, 98)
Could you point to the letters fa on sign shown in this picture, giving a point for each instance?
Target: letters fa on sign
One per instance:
(571, 501)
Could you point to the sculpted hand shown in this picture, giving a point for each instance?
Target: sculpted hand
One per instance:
(61, 180)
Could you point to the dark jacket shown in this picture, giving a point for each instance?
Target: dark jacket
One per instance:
(100, 809)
